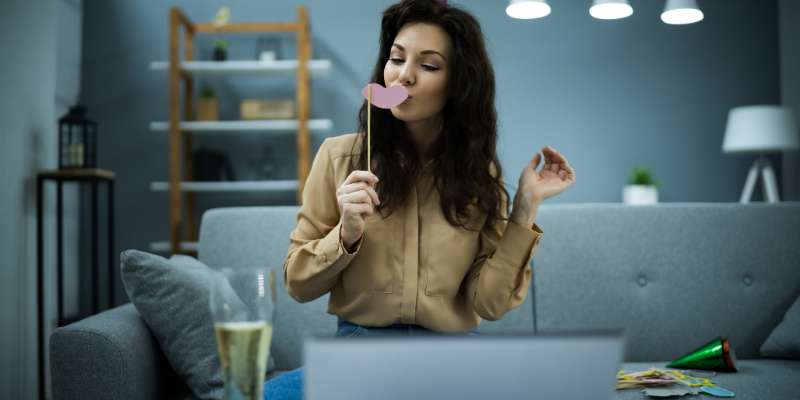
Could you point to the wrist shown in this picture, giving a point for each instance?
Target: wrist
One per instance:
(522, 219)
(524, 212)
(348, 242)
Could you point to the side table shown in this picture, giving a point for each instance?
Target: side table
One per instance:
(94, 177)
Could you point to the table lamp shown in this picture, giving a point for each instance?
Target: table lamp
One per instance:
(760, 129)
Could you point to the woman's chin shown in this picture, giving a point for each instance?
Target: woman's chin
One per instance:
(402, 114)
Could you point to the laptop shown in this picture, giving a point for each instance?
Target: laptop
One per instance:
(519, 366)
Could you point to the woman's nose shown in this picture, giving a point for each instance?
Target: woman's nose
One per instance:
(407, 76)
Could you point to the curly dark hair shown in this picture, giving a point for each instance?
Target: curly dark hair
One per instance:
(468, 175)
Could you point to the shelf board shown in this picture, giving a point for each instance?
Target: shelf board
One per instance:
(244, 67)
(164, 247)
(270, 125)
(229, 186)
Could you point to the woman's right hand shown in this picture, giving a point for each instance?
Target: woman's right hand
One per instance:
(357, 199)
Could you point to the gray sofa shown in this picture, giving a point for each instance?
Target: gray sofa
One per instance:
(673, 276)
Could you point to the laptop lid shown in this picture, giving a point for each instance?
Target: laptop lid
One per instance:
(553, 366)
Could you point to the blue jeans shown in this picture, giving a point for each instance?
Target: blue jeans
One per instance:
(289, 385)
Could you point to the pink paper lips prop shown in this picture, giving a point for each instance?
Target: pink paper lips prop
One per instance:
(385, 97)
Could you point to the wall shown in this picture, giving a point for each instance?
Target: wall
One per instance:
(790, 89)
(40, 76)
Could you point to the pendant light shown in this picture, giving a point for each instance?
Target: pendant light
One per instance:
(528, 9)
(681, 12)
(610, 9)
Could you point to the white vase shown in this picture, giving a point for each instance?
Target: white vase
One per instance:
(639, 194)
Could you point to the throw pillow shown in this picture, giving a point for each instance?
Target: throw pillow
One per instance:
(172, 298)
(784, 341)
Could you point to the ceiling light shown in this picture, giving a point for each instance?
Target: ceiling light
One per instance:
(528, 9)
(681, 12)
(610, 9)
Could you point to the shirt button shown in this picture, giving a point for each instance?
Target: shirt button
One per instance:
(748, 280)
(642, 281)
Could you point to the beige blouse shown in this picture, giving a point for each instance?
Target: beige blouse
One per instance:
(412, 267)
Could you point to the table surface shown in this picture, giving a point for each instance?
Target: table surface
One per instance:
(77, 173)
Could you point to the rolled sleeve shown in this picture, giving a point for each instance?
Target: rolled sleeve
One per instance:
(500, 276)
(316, 256)
(516, 246)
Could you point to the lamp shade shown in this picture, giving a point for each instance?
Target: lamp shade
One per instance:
(760, 129)
(610, 9)
(681, 12)
(528, 9)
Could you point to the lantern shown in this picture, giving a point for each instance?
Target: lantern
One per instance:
(77, 140)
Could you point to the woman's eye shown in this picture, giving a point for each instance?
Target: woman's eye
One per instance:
(398, 61)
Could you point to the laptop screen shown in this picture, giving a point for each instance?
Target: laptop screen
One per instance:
(553, 366)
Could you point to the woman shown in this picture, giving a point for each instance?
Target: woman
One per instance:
(424, 244)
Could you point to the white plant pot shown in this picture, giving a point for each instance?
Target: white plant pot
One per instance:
(639, 194)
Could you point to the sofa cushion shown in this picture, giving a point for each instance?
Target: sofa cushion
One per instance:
(172, 298)
(784, 341)
(673, 276)
(241, 237)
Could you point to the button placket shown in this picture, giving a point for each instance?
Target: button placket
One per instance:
(411, 263)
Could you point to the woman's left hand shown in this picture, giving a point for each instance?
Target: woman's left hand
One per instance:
(536, 186)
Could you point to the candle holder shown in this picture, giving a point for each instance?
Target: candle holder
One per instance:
(77, 140)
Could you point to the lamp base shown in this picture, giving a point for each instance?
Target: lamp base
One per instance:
(761, 166)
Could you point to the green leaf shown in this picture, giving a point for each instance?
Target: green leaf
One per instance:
(641, 176)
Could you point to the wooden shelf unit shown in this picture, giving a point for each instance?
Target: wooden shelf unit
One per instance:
(181, 125)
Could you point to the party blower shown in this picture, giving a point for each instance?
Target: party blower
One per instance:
(716, 355)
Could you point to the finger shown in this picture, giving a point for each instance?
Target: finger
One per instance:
(361, 176)
(563, 174)
(356, 198)
(556, 155)
(537, 158)
(362, 209)
(358, 186)
(352, 187)
(358, 209)
(566, 165)
(570, 170)
(550, 164)
(374, 195)
(558, 161)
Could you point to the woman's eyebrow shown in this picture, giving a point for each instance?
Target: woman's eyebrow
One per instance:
(399, 46)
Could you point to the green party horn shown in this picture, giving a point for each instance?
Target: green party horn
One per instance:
(716, 355)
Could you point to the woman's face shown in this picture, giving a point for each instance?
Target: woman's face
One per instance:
(420, 60)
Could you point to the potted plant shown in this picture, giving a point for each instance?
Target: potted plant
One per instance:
(207, 105)
(220, 50)
(641, 188)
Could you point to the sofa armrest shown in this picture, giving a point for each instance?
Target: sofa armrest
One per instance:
(111, 355)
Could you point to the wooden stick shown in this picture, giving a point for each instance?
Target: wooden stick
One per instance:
(369, 125)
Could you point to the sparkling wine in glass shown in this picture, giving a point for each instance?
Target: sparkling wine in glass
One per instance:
(242, 304)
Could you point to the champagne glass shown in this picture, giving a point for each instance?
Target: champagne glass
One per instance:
(242, 305)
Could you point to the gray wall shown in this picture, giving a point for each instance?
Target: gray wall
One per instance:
(26, 132)
(610, 95)
(68, 83)
(790, 88)
(41, 76)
